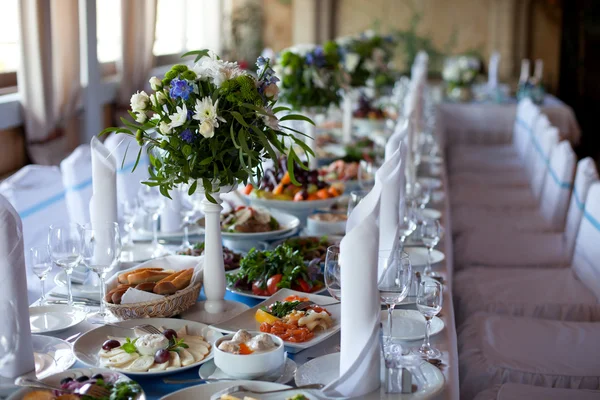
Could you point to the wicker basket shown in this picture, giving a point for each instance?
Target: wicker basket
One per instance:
(166, 307)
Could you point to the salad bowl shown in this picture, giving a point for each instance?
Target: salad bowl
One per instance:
(299, 209)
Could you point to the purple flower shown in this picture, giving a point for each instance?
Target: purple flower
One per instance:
(180, 88)
(190, 114)
(316, 57)
(261, 61)
(187, 136)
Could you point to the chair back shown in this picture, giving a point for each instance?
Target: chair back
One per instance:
(526, 117)
(543, 146)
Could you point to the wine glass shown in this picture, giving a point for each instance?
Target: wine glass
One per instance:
(421, 195)
(101, 251)
(407, 224)
(65, 244)
(394, 281)
(366, 174)
(429, 303)
(130, 208)
(332, 272)
(153, 203)
(190, 205)
(355, 198)
(9, 332)
(431, 233)
(41, 264)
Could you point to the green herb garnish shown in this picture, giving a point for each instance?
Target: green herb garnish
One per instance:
(281, 309)
(129, 346)
(179, 343)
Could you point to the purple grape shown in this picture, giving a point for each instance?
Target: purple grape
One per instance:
(161, 356)
(170, 334)
(110, 344)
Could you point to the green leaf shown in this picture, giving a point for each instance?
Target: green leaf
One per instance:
(125, 155)
(281, 108)
(307, 150)
(192, 188)
(206, 161)
(164, 191)
(239, 118)
(237, 146)
(115, 130)
(137, 160)
(199, 54)
(290, 167)
(187, 150)
(129, 346)
(296, 117)
(255, 108)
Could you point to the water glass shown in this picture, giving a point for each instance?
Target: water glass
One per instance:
(431, 233)
(152, 201)
(429, 303)
(421, 195)
(101, 251)
(366, 175)
(355, 198)
(395, 278)
(407, 224)
(65, 245)
(190, 206)
(332, 272)
(130, 209)
(41, 264)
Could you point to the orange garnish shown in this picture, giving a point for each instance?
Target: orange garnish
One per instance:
(244, 349)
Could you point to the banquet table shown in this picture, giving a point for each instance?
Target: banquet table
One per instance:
(492, 123)
(445, 340)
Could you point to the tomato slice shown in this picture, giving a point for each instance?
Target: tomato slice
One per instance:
(257, 290)
(272, 283)
(303, 285)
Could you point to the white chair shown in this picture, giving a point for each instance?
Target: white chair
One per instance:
(76, 172)
(515, 198)
(517, 391)
(546, 292)
(497, 349)
(553, 207)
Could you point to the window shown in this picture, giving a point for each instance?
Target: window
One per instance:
(183, 25)
(10, 57)
(108, 34)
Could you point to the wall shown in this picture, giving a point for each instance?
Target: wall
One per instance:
(12, 151)
(277, 31)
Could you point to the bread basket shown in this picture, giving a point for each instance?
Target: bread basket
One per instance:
(166, 307)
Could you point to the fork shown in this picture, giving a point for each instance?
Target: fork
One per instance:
(306, 304)
(94, 390)
(146, 327)
(244, 389)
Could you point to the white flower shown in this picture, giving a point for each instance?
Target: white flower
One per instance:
(164, 128)
(451, 72)
(370, 65)
(270, 119)
(271, 91)
(179, 117)
(205, 68)
(369, 33)
(155, 83)
(468, 75)
(139, 101)
(352, 60)
(205, 109)
(227, 70)
(141, 117)
(217, 71)
(158, 98)
(207, 129)
(288, 70)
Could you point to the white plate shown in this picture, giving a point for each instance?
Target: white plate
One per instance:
(73, 373)
(326, 369)
(431, 213)
(205, 391)
(410, 325)
(146, 235)
(300, 209)
(140, 252)
(88, 345)
(433, 183)
(248, 293)
(246, 319)
(286, 221)
(79, 290)
(418, 256)
(210, 370)
(54, 318)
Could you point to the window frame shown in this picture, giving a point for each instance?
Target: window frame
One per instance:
(8, 82)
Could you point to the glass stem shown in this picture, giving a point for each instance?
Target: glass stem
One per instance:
(69, 289)
(43, 284)
(155, 230)
(186, 238)
(102, 293)
(390, 319)
(426, 343)
(427, 271)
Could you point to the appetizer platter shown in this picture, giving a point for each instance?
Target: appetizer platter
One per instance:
(129, 348)
(311, 247)
(120, 386)
(279, 316)
(255, 223)
(210, 389)
(263, 273)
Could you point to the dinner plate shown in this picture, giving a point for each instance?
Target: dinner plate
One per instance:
(88, 345)
(54, 318)
(409, 325)
(246, 319)
(431, 213)
(433, 183)
(418, 256)
(248, 293)
(326, 369)
(205, 391)
(74, 374)
(210, 370)
(286, 221)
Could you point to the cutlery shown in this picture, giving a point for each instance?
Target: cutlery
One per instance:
(146, 328)
(82, 303)
(244, 389)
(305, 304)
(76, 298)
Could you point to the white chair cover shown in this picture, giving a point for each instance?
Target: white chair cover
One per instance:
(516, 391)
(76, 172)
(497, 349)
(547, 142)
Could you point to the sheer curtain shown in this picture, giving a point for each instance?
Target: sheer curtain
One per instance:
(139, 25)
(49, 78)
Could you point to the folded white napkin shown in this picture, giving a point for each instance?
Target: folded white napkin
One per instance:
(103, 205)
(538, 72)
(170, 217)
(360, 352)
(524, 77)
(175, 263)
(493, 70)
(13, 288)
(76, 172)
(393, 143)
(391, 175)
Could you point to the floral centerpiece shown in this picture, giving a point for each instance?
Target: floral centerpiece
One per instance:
(459, 73)
(211, 125)
(367, 58)
(311, 76)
